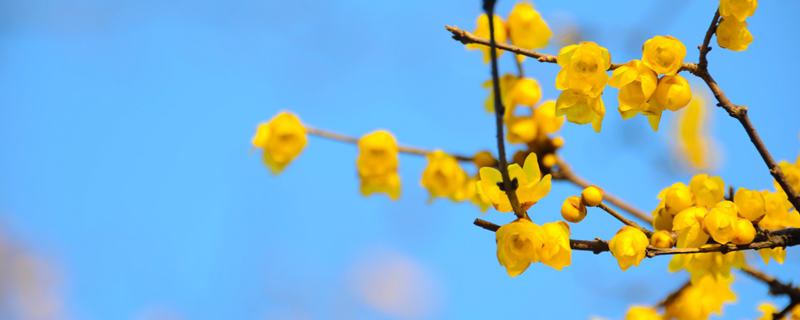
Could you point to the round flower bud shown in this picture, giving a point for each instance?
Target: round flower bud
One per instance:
(592, 196)
(661, 239)
(677, 198)
(484, 159)
(549, 160)
(751, 204)
(558, 142)
(573, 210)
(743, 232)
(673, 92)
(629, 246)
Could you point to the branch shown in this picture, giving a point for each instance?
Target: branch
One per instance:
(780, 238)
(674, 295)
(499, 112)
(777, 288)
(403, 149)
(740, 113)
(565, 173)
(624, 220)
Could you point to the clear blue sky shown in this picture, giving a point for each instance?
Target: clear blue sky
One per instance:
(125, 127)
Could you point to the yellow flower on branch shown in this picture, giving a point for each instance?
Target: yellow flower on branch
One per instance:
(701, 299)
(663, 54)
(672, 93)
(737, 9)
(443, 177)
(720, 222)
(583, 68)
(792, 173)
(707, 190)
(518, 245)
(751, 204)
(546, 119)
(541, 121)
(526, 28)
(676, 197)
(642, 313)
(778, 254)
(636, 83)
(530, 185)
(767, 311)
(733, 35)
(581, 108)
(282, 138)
(629, 246)
(482, 30)
(555, 251)
(377, 164)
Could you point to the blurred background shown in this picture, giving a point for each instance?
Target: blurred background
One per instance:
(129, 190)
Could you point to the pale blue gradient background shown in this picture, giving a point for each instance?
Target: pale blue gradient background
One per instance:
(125, 127)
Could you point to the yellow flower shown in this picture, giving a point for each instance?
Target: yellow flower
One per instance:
(676, 198)
(663, 54)
(733, 35)
(744, 232)
(592, 196)
(688, 223)
(629, 246)
(521, 129)
(778, 214)
(707, 190)
(778, 254)
(581, 108)
(282, 138)
(483, 31)
(767, 311)
(507, 82)
(469, 191)
(531, 186)
(642, 313)
(546, 119)
(573, 209)
(377, 164)
(737, 9)
(583, 68)
(526, 28)
(715, 264)
(792, 174)
(750, 203)
(526, 91)
(443, 177)
(698, 301)
(661, 239)
(518, 244)
(555, 251)
(672, 93)
(693, 140)
(661, 219)
(636, 83)
(720, 222)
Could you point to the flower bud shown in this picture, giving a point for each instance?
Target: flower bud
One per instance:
(484, 159)
(629, 246)
(661, 239)
(672, 92)
(744, 232)
(592, 196)
(573, 210)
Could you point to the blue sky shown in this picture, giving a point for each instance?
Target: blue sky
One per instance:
(125, 130)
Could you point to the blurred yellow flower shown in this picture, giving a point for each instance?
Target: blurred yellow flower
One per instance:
(531, 186)
(282, 138)
(733, 35)
(443, 177)
(767, 311)
(693, 142)
(518, 245)
(698, 301)
(642, 313)
(526, 28)
(583, 68)
(482, 30)
(663, 54)
(737, 9)
(377, 164)
(629, 246)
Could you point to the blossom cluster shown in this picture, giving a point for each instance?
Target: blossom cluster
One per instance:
(732, 32)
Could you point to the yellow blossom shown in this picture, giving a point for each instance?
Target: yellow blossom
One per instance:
(743, 232)
(443, 177)
(672, 93)
(698, 301)
(521, 129)
(546, 119)
(518, 244)
(733, 35)
(629, 246)
(592, 196)
(377, 164)
(791, 171)
(282, 138)
(661, 239)
(642, 313)
(573, 210)
(581, 108)
(767, 311)
(507, 82)
(778, 214)
(689, 225)
(468, 191)
(692, 138)
(737, 9)
(636, 83)
(715, 264)
(526, 91)
(484, 159)
(555, 251)
(583, 68)
(661, 219)
(676, 198)
(526, 28)
(483, 31)
(720, 222)
(663, 54)
(778, 254)
(707, 190)
(531, 186)
(750, 203)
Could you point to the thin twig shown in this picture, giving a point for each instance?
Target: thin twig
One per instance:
(674, 295)
(780, 238)
(776, 287)
(499, 111)
(624, 220)
(565, 173)
(740, 113)
(403, 149)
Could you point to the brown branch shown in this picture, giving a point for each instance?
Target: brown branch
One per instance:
(466, 37)
(624, 220)
(740, 113)
(565, 173)
(779, 238)
(776, 287)
(674, 295)
(499, 112)
(403, 149)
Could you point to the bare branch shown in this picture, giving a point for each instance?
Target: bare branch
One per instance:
(624, 220)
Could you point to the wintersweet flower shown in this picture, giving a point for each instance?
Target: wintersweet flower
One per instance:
(526, 28)
(672, 93)
(715, 264)
(778, 214)
(581, 108)
(692, 136)
(720, 222)
(282, 138)
(377, 164)
(733, 35)
(663, 54)
(642, 313)
(707, 190)
(482, 30)
(443, 177)
(583, 68)
(750, 203)
(629, 246)
(778, 254)
(573, 209)
(636, 83)
(592, 196)
(518, 245)
(531, 186)
(521, 128)
(507, 82)
(469, 191)
(661, 239)
(661, 219)
(743, 232)
(737, 9)
(704, 297)
(792, 173)
(546, 119)
(689, 225)
(676, 198)
(555, 251)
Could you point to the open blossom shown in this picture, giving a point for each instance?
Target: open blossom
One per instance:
(707, 190)
(733, 35)
(750, 203)
(531, 186)
(676, 198)
(518, 245)
(720, 222)
(282, 138)
(526, 28)
(737, 9)
(482, 30)
(663, 54)
(377, 164)
(583, 68)
(443, 177)
(636, 83)
(581, 108)
(555, 251)
(629, 246)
